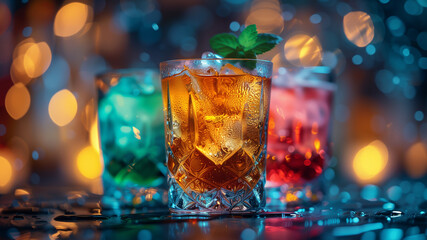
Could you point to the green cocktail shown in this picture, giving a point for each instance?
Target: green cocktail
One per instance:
(131, 131)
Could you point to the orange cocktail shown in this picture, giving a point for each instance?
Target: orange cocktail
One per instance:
(216, 116)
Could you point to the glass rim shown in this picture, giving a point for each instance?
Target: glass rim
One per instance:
(323, 70)
(124, 72)
(214, 59)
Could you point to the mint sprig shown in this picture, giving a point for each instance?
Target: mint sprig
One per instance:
(247, 45)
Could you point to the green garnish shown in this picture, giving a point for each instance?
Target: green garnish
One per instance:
(247, 45)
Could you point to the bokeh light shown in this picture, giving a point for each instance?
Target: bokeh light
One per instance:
(303, 50)
(396, 26)
(94, 137)
(5, 18)
(37, 59)
(62, 107)
(266, 14)
(89, 163)
(370, 161)
(17, 101)
(6, 172)
(17, 69)
(58, 74)
(71, 19)
(358, 28)
(416, 160)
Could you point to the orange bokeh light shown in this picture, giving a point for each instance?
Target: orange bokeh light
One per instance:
(71, 19)
(303, 50)
(17, 101)
(358, 28)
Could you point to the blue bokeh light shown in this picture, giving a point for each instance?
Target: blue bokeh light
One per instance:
(394, 193)
(396, 80)
(234, 26)
(396, 26)
(392, 234)
(384, 81)
(413, 8)
(35, 155)
(27, 31)
(369, 192)
(384, 1)
(248, 234)
(144, 57)
(422, 40)
(330, 59)
(343, 8)
(370, 49)
(357, 59)
(315, 18)
(155, 26)
(422, 3)
(419, 116)
(57, 75)
(406, 52)
(144, 235)
(409, 91)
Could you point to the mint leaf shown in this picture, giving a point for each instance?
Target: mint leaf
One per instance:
(265, 42)
(247, 46)
(249, 64)
(248, 37)
(224, 43)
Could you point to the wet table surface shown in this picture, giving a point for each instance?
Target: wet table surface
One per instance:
(77, 215)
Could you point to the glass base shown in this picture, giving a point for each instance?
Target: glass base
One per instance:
(132, 196)
(293, 195)
(216, 201)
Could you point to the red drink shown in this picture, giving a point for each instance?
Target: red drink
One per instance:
(298, 133)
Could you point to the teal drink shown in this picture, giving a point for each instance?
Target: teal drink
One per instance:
(131, 132)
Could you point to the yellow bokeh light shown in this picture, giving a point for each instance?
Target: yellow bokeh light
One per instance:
(71, 19)
(17, 101)
(358, 28)
(62, 107)
(303, 50)
(17, 69)
(36, 59)
(89, 163)
(267, 16)
(370, 161)
(5, 171)
(94, 135)
(416, 160)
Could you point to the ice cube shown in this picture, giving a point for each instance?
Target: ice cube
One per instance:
(210, 55)
(229, 69)
(193, 85)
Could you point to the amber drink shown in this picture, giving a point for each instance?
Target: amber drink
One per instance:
(216, 120)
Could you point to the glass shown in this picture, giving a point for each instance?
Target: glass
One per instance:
(131, 136)
(216, 119)
(298, 135)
